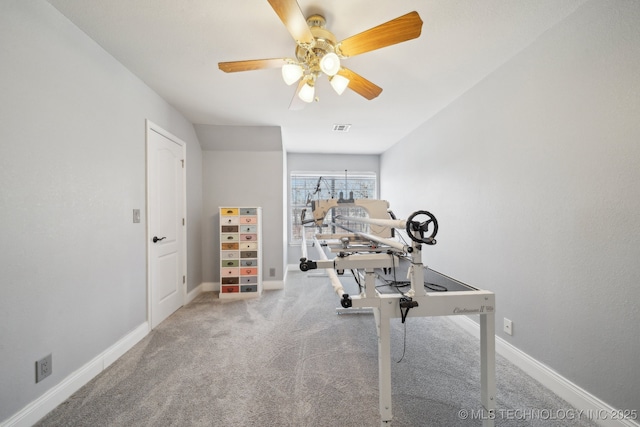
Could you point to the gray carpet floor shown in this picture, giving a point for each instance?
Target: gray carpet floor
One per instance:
(287, 359)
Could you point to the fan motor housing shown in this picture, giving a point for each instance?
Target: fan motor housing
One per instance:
(324, 43)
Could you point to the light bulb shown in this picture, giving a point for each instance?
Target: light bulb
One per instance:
(330, 64)
(339, 83)
(307, 92)
(291, 73)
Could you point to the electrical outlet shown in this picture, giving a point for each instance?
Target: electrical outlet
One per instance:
(508, 326)
(272, 272)
(44, 367)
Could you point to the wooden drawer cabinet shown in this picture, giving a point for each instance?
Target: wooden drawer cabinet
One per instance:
(240, 252)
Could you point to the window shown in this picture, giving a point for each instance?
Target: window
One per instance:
(314, 186)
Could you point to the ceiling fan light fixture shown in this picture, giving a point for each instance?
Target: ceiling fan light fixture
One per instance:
(307, 92)
(291, 73)
(330, 64)
(339, 83)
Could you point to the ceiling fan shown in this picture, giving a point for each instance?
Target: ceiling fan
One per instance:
(318, 52)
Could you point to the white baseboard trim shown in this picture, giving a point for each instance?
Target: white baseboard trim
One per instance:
(576, 396)
(267, 285)
(272, 285)
(202, 287)
(193, 294)
(210, 286)
(40, 407)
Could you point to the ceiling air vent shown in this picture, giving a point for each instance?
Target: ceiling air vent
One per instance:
(341, 128)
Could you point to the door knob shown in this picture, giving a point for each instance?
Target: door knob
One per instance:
(156, 239)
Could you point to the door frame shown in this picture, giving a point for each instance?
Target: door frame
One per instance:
(152, 127)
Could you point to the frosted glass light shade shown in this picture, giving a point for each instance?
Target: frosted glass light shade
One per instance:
(307, 93)
(291, 73)
(339, 83)
(330, 64)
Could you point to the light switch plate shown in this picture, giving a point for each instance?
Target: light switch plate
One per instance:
(44, 367)
(136, 216)
(508, 326)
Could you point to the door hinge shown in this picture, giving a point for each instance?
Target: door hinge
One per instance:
(182, 163)
(184, 279)
(182, 221)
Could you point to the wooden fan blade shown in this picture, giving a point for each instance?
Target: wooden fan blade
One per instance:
(360, 85)
(401, 29)
(292, 17)
(253, 64)
(296, 102)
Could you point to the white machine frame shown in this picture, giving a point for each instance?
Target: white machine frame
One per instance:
(416, 302)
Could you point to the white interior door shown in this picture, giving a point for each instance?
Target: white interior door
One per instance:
(166, 228)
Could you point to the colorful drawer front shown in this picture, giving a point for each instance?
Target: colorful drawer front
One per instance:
(248, 271)
(229, 272)
(230, 255)
(229, 211)
(230, 263)
(231, 220)
(244, 280)
(249, 288)
(230, 237)
(248, 254)
(230, 289)
(249, 211)
(247, 229)
(249, 263)
(248, 237)
(248, 220)
(230, 280)
(230, 246)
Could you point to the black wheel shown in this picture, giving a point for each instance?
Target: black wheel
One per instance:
(422, 228)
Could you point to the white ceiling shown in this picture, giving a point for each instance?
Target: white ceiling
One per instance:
(174, 47)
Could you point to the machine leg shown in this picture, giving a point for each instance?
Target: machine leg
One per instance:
(383, 326)
(488, 367)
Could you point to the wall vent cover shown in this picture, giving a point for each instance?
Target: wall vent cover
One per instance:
(341, 128)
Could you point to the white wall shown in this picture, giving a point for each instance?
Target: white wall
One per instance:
(533, 175)
(243, 178)
(72, 169)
